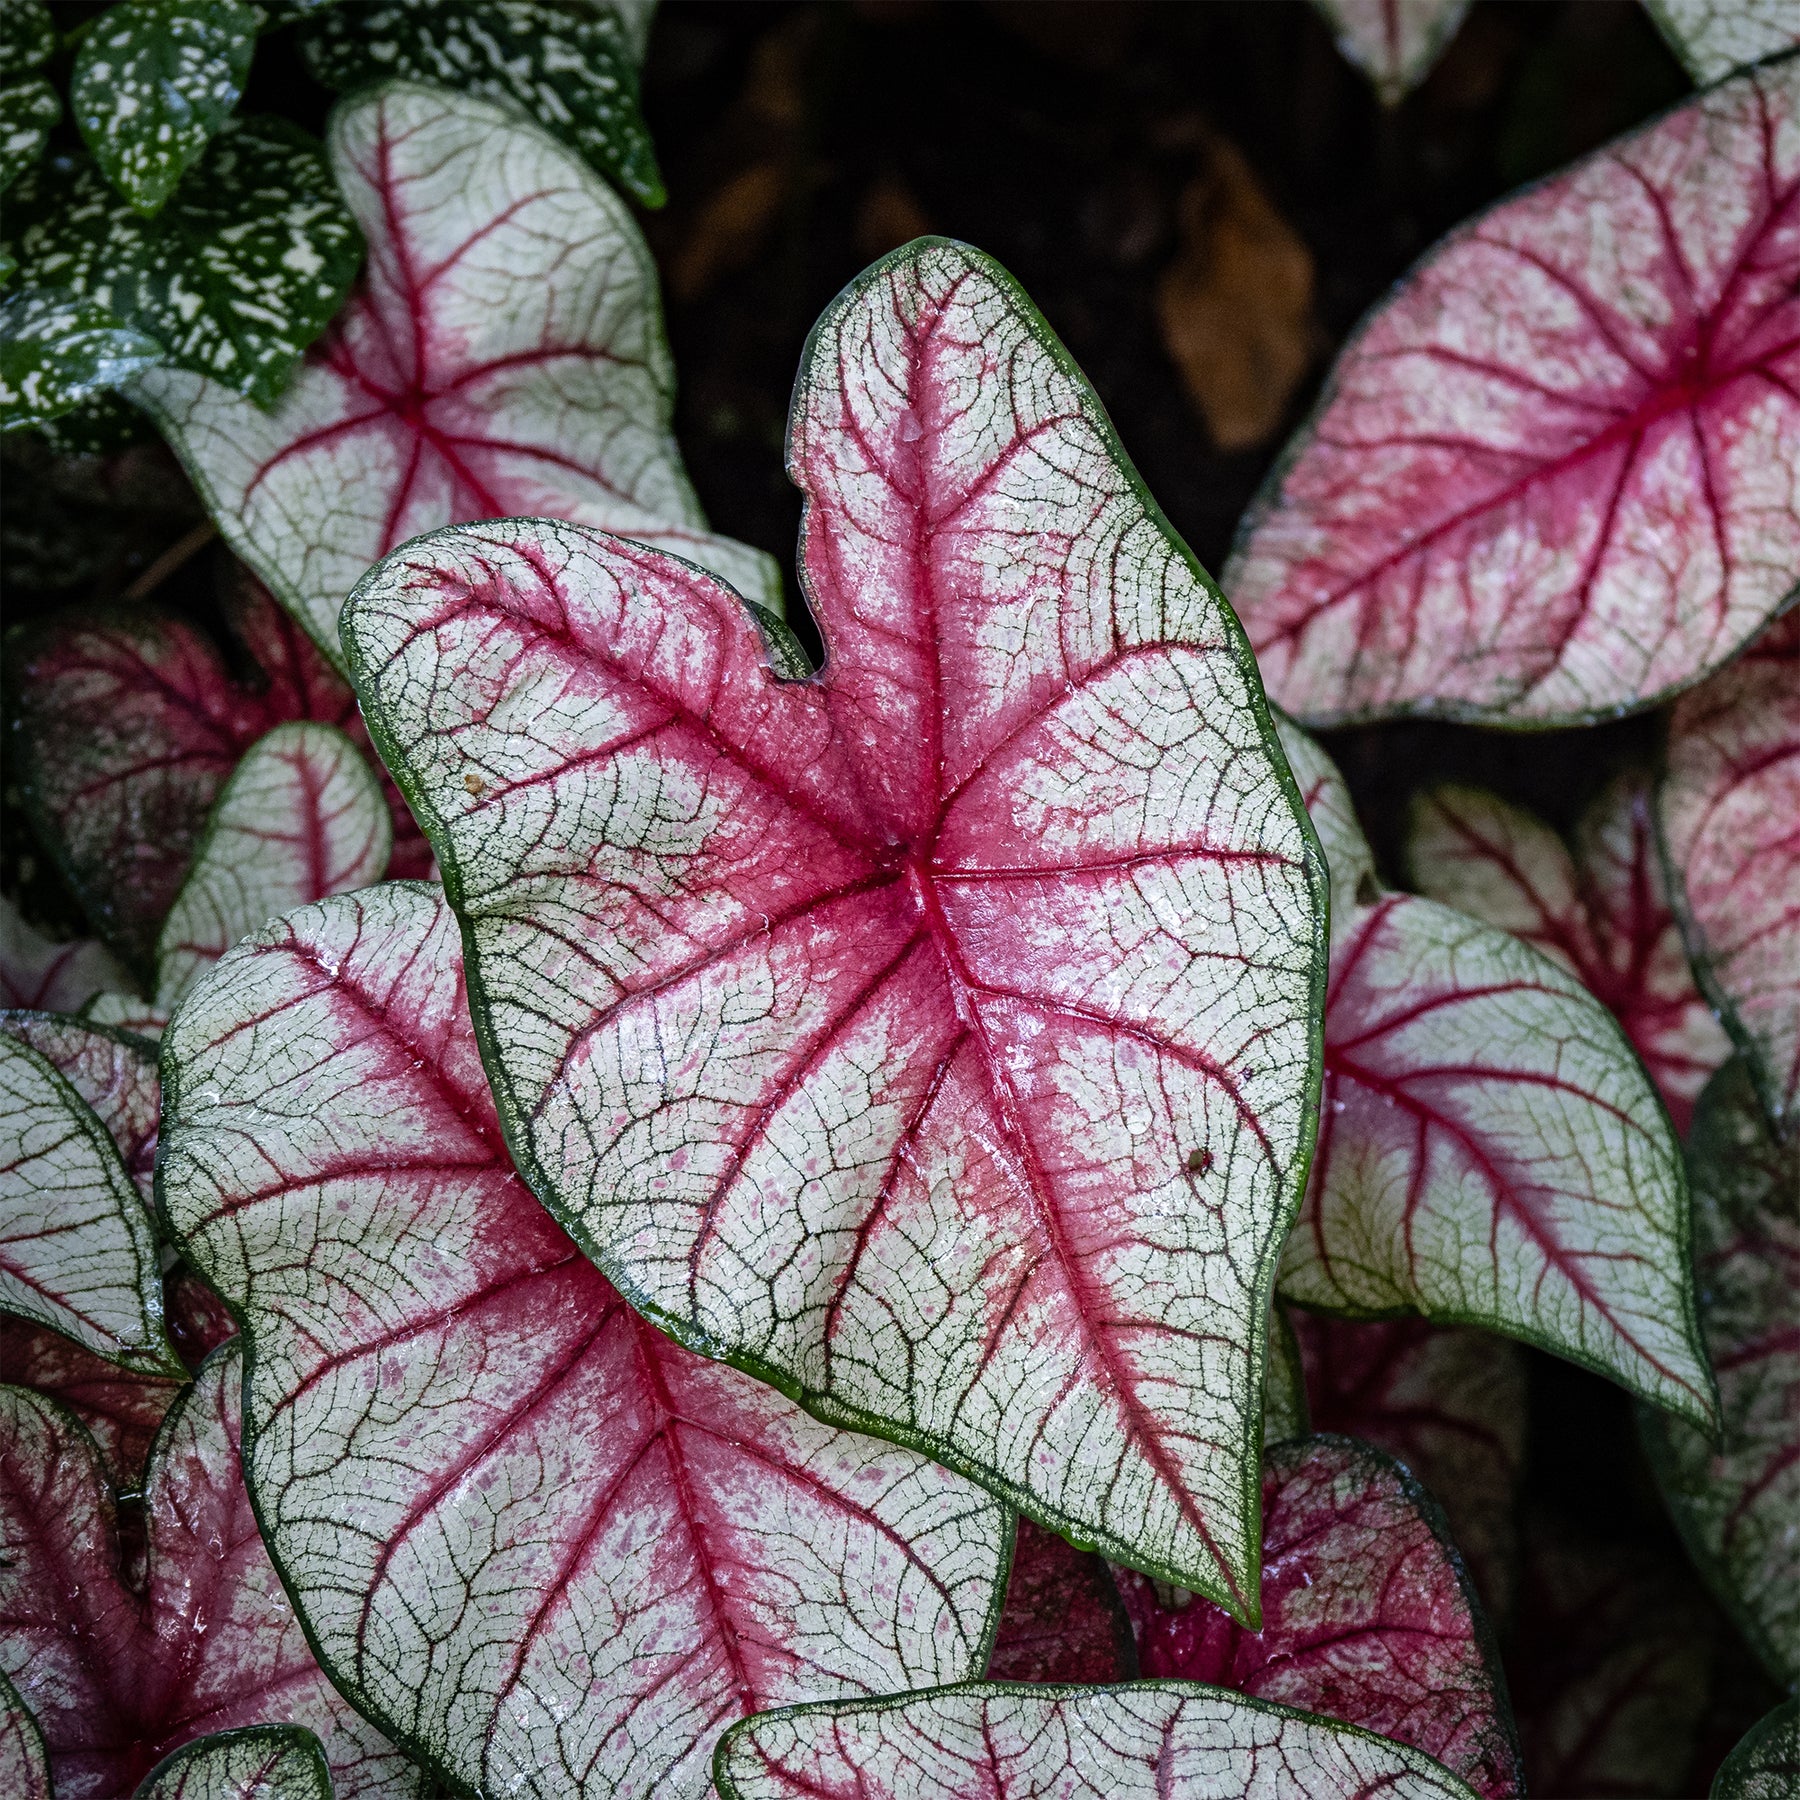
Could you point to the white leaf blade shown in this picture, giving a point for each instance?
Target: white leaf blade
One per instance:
(257, 1762)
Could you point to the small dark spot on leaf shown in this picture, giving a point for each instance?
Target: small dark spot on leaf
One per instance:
(1199, 1161)
(475, 785)
(1368, 890)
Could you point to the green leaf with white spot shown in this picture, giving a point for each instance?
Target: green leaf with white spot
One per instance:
(27, 111)
(1766, 1763)
(57, 349)
(257, 1762)
(27, 36)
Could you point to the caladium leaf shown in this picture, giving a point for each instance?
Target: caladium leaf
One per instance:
(153, 80)
(1713, 37)
(77, 1252)
(27, 111)
(302, 817)
(503, 355)
(1766, 1765)
(662, 1543)
(1729, 808)
(1541, 486)
(36, 973)
(1368, 1615)
(257, 1762)
(1490, 1150)
(1063, 1619)
(571, 68)
(1736, 1503)
(1150, 1740)
(118, 1678)
(1394, 42)
(58, 349)
(880, 1031)
(1285, 1411)
(1601, 911)
(1451, 1404)
(24, 1764)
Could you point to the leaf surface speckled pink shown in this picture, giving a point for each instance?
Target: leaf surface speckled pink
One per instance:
(1553, 477)
(933, 1034)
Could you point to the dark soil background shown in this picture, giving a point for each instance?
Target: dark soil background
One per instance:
(1094, 148)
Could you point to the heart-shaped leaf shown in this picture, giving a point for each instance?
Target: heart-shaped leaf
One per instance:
(1450, 1404)
(58, 349)
(1766, 1765)
(1150, 1740)
(1393, 42)
(258, 1762)
(1543, 484)
(1063, 1620)
(1713, 37)
(39, 974)
(1729, 808)
(24, 1764)
(1602, 911)
(1490, 1150)
(153, 80)
(504, 355)
(118, 1678)
(27, 111)
(552, 1550)
(571, 68)
(882, 1031)
(1368, 1616)
(1736, 1504)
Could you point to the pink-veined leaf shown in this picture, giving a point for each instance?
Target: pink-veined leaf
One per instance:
(1450, 1403)
(1729, 808)
(1150, 1740)
(256, 1762)
(1737, 1503)
(24, 1764)
(1063, 1620)
(1490, 1149)
(118, 1678)
(1713, 37)
(36, 973)
(198, 1320)
(1548, 480)
(552, 1550)
(502, 356)
(934, 1035)
(1368, 1616)
(1601, 909)
(1393, 42)
(1766, 1764)
(127, 1013)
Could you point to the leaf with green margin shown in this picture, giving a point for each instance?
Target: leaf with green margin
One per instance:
(1148, 1740)
(934, 1036)
(28, 39)
(503, 356)
(256, 1762)
(1490, 1149)
(27, 111)
(77, 1252)
(57, 349)
(240, 271)
(1766, 1765)
(1393, 42)
(24, 1766)
(38, 974)
(153, 81)
(553, 1552)
(1736, 1503)
(1285, 1410)
(301, 818)
(569, 66)
(1713, 37)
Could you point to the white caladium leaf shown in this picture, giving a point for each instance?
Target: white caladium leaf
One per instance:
(555, 1553)
(119, 1673)
(1713, 37)
(1736, 1502)
(256, 1762)
(37, 973)
(504, 355)
(1394, 42)
(1766, 1764)
(1490, 1150)
(1599, 907)
(24, 1763)
(1149, 1740)
(77, 1252)
(302, 817)
(1550, 478)
(933, 1035)
(1729, 808)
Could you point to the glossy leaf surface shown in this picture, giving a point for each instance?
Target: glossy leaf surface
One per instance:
(1393, 42)
(1367, 1616)
(1730, 814)
(58, 349)
(1548, 479)
(1766, 1765)
(933, 1036)
(259, 1762)
(117, 1679)
(504, 355)
(553, 1551)
(36, 973)
(1713, 37)
(1490, 1150)
(1148, 1741)
(1601, 909)
(1737, 1505)
(1063, 1619)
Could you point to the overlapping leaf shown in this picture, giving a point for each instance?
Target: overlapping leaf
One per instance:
(1490, 1150)
(1163, 1740)
(259, 1762)
(1713, 37)
(1736, 1503)
(117, 1678)
(935, 1035)
(1063, 1620)
(27, 111)
(1602, 912)
(1766, 1765)
(1394, 42)
(555, 1552)
(503, 356)
(24, 1766)
(1729, 808)
(34, 972)
(1368, 1616)
(1548, 478)
(57, 349)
